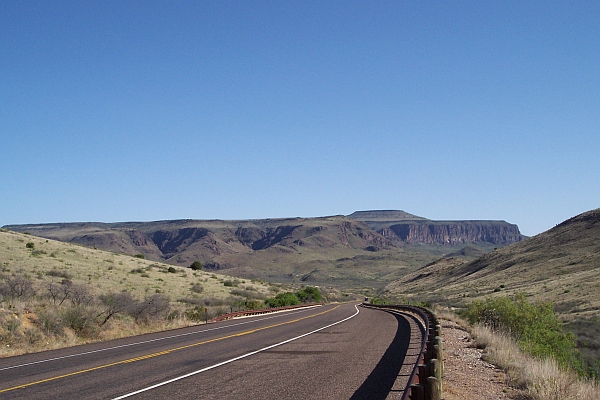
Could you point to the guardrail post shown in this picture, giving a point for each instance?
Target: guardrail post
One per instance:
(433, 388)
(417, 392)
(436, 370)
(439, 353)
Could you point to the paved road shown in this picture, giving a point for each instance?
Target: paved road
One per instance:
(329, 352)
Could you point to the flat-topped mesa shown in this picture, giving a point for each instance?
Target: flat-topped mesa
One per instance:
(384, 215)
(397, 225)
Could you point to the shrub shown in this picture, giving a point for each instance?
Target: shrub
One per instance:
(140, 255)
(152, 307)
(535, 327)
(310, 294)
(30, 245)
(196, 266)
(171, 270)
(197, 288)
(81, 320)
(17, 287)
(196, 314)
(59, 274)
(282, 300)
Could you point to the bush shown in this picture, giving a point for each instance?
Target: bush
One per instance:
(535, 327)
(282, 300)
(196, 314)
(59, 274)
(30, 245)
(197, 288)
(310, 294)
(140, 255)
(81, 320)
(196, 266)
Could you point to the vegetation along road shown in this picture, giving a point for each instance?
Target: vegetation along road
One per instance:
(329, 352)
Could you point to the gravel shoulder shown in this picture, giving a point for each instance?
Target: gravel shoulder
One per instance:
(466, 374)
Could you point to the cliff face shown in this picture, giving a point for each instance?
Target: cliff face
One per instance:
(406, 228)
(454, 233)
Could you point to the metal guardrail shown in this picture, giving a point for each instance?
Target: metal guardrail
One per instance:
(245, 313)
(425, 381)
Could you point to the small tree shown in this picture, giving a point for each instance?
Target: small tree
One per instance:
(196, 265)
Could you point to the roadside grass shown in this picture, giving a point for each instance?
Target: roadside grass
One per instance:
(540, 378)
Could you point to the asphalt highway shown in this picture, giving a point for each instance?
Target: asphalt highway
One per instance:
(329, 352)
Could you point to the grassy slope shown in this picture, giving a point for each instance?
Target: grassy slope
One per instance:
(105, 271)
(561, 265)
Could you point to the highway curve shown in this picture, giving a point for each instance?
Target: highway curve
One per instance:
(330, 352)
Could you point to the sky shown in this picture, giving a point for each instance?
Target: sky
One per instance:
(119, 111)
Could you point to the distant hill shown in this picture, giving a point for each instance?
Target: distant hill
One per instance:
(327, 250)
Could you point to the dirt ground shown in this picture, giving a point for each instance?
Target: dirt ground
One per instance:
(466, 375)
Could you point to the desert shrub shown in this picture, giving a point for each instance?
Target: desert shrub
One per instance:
(380, 301)
(196, 314)
(196, 266)
(17, 287)
(115, 303)
(171, 270)
(81, 320)
(535, 327)
(156, 306)
(80, 295)
(197, 288)
(49, 321)
(30, 245)
(282, 300)
(310, 294)
(59, 274)
(59, 292)
(254, 305)
(140, 256)
(231, 283)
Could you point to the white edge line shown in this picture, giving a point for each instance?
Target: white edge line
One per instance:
(157, 339)
(233, 359)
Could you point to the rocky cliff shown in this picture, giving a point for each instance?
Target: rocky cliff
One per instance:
(406, 228)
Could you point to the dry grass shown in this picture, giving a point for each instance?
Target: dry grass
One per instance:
(22, 326)
(541, 379)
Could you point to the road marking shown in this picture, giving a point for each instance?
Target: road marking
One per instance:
(233, 359)
(152, 355)
(153, 340)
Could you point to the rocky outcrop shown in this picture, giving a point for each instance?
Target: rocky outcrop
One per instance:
(452, 233)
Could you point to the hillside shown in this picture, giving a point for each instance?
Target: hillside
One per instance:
(50, 260)
(55, 294)
(336, 250)
(561, 265)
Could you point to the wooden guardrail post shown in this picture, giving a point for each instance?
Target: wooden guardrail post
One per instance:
(417, 392)
(433, 388)
(439, 353)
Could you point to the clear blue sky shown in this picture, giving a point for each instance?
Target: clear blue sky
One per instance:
(149, 110)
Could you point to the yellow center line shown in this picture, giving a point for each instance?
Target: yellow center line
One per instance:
(164, 352)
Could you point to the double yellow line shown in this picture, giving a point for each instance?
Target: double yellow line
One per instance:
(162, 353)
